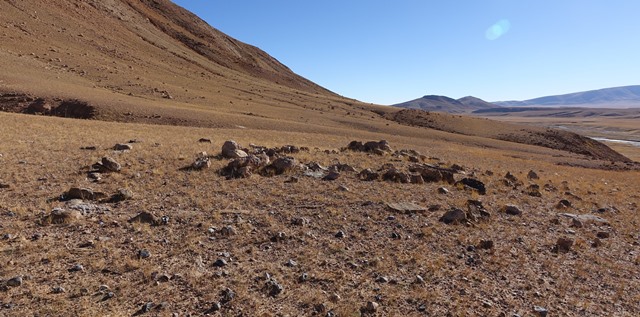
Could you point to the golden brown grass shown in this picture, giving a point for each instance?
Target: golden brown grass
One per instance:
(521, 271)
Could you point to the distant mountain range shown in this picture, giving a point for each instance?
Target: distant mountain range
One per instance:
(446, 104)
(617, 97)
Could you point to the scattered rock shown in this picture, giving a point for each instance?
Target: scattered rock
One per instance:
(476, 210)
(381, 147)
(214, 308)
(76, 268)
(231, 149)
(540, 311)
(585, 218)
(395, 175)
(370, 308)
(473, 184)
(201, 162)
(61, 216)
(220, 263)
(368, 175)
(273, 288)
(454, 216)
(145, 217)
(340, 234)
(244, 167)
(4, 185)
(563, 245)
(343, 188)
(281, 165)
(342, 168)
(443, 191)
(532, 175)
(107, 165)
(121, 195)
(144, 254)
(563, 204)
(433, 174)
(79, 193)
(122, 147)
(602, 235)
(58, 290)
(511, 210)
(15, 281)
(510, 177)
(204, 140)
(333, 175)
(228, 231)
(485, 244)
(406, 207)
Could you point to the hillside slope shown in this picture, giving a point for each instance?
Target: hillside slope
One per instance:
(620, 97)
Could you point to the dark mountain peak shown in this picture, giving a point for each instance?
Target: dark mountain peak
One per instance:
(447, 104)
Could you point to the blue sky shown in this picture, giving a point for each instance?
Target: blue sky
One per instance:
(387, 52)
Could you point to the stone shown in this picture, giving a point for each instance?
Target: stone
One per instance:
(61, 216)
(585, 218)
(476, 210)
(532, 175)
(473, 184)
(343, 188)
(563, 204)
(339, 167)
(416, 179)
(300, 221)
(333, 175)
(204, 140)
(76, 268)
(228, 231)
(220, 263)
(443, 191)
(58, 290)
(231, 149)
(395, 175)
(121, 195)
(511, 210)
(144, 254)
(108, 164)
(540, 311)
(563, 245)
(382, 279)
(291, 263)
(145, 217)
(214, 308)
(419, 279)
(602, 235)
(15, 281)
(244, 167)
(406, 207)
(273, 288)
(510, 177)
(4, 185)
(370, 308)
(202, 161)
(454, 216)
(79, 193)
(485, 244)
(340, 234)
(368, 175)
(122, 147)
(281, 165)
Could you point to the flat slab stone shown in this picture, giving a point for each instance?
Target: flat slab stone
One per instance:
(585, 218)
(406, 207)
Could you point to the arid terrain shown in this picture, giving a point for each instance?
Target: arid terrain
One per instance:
(121, 193)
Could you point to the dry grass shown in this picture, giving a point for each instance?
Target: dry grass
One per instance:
(521, 271)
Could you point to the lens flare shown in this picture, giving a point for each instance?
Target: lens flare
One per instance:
(497, 30)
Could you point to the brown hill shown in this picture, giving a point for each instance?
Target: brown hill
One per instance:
(445, 104)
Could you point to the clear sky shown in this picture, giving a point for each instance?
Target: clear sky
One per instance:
(386, 52)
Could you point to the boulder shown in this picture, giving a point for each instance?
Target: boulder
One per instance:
(454, 216)
(368, 175)
(122, 147)
(281, 165)
(473, 184)
(79, 193)
(511, 210)
(395, 175)
(108, 164)
(231, 149)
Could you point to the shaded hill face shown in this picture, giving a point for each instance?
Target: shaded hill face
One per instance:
(621, 97)
(446, 104)
(549, 138)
